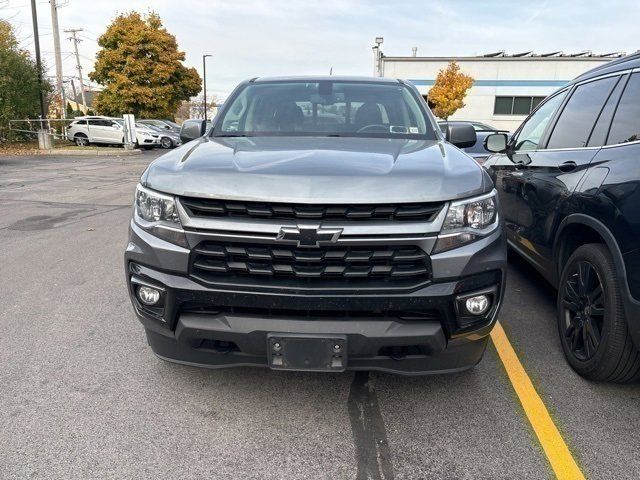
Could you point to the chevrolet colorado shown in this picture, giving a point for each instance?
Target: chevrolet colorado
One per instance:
(320, 224)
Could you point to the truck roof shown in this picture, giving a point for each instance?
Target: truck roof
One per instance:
(319, 78)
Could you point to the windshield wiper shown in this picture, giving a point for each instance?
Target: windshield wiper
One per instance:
(232, 135)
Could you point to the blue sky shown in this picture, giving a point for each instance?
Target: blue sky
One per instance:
(251, 38)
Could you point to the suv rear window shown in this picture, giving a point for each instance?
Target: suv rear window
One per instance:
(626, 123)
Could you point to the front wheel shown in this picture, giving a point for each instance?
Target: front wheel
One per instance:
(165, 142)
(81, 140)
(591, 320)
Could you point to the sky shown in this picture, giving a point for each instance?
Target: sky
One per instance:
(250, 38)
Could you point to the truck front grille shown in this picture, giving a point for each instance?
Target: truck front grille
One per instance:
(209, 208)
(212, 262)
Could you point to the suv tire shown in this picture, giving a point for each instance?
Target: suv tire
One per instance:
(81, 140)
(591, 319)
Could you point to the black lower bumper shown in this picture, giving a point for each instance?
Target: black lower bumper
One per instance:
(416, 332)
(184, 349)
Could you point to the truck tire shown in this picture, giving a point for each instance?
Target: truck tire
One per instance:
(591, 320)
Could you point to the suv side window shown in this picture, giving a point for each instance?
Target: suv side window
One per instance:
(601, 129)
(626, 123)
(533, 128)
(579, 115)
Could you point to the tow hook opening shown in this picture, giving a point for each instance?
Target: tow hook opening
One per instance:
(400, 352)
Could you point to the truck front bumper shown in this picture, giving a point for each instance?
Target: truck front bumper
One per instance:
(411, 332)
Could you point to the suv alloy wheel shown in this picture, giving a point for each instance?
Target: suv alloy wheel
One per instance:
(591, 321)
(165, 142)
(81, 140)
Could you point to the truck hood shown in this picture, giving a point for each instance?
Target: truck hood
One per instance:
(317, 170)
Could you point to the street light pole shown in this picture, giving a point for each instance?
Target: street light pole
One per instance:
(377, 58)
(204, 81)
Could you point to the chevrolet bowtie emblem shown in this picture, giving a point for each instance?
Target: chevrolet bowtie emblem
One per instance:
(309, 236)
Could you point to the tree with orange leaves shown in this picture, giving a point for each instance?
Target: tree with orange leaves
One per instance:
(447, 94)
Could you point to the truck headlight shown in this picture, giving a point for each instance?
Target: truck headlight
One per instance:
(468, 220)
(157, 214)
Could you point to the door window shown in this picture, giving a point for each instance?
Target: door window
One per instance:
(626, 123)
(100, 123)
(533, 128)
(579, 115)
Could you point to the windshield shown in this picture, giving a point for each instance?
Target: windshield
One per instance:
(325, 108)
(148, 127)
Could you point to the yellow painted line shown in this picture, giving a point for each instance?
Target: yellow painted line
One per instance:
(554, 446)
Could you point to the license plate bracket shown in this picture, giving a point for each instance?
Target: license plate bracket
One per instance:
(312, 353)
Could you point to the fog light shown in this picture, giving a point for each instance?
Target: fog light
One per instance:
(477, 305)
(148, 295)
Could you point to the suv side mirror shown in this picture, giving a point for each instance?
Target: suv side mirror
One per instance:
(496, 142)
(192, 129)
(462, 135)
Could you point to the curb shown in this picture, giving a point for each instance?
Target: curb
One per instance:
(90, 153)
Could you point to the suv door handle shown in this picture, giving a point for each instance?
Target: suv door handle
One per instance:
(568, 166)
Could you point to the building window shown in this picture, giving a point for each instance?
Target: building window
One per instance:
(516, 105)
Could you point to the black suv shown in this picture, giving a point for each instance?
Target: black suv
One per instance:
(569, 186)
(320, 224)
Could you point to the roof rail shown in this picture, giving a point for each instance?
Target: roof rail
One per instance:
(610, 65)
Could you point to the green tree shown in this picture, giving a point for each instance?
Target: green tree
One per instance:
(19, 87)
(447, 94)
(141, 69)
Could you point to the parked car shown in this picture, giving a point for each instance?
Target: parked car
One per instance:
(274, 240)
(168, 138)
(478, 151)
(162, 124)
(106, 130)
(569, 185)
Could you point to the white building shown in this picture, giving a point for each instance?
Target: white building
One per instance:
(506, 87)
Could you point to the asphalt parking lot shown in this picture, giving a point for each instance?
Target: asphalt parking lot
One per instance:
(82, 395)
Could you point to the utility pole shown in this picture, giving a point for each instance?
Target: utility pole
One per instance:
(36, 40)
(204, 81)
(74, 38)
(75, 94)
(56, 47)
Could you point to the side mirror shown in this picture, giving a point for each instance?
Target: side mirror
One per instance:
(462, 135)
(192, 129)
(496, 142)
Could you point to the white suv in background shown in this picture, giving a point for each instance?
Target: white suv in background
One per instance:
(106, 130)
